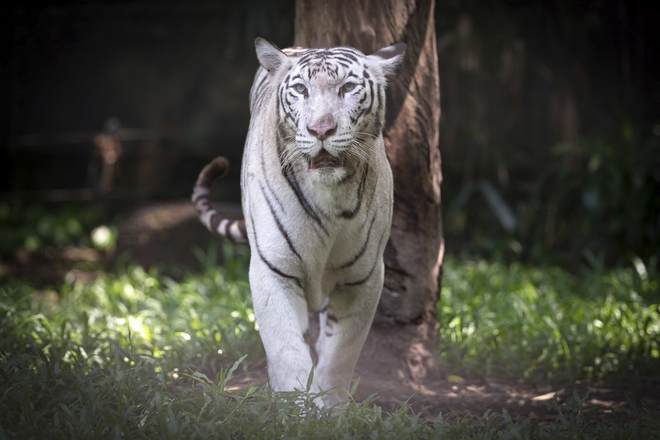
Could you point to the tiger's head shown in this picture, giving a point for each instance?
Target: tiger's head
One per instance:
(330, 103)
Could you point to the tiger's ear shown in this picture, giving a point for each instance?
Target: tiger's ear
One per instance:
(270, 56)
(389, 58)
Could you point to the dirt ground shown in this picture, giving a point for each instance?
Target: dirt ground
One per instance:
(164, 234)
(473, 398)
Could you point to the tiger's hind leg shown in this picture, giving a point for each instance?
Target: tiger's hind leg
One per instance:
(343, 328)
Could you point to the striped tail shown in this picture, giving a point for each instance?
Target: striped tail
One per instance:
(233, 230)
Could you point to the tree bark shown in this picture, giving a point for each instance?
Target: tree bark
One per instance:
(403, 338)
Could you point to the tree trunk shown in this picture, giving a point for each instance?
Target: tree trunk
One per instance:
(403, 338)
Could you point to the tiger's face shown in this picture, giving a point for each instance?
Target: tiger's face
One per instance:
(331, 105)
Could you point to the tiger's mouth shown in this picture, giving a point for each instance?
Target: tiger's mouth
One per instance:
(325, 160)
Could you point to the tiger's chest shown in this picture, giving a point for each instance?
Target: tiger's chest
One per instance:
(324, 235)
(346, 255)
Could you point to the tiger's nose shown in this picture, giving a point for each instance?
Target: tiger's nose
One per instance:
(323, 128)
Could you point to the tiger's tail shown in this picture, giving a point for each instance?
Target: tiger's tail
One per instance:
(215, 222)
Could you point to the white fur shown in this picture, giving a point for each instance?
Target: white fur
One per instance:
(282, 303)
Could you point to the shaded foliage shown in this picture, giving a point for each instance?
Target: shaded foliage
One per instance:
(553, 103)
(35, 228)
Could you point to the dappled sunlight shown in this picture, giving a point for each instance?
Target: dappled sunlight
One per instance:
(160, 345)
(149, 313)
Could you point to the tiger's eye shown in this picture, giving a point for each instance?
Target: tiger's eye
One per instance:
(300, 88)
(348, 87)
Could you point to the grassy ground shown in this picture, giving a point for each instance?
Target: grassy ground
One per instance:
(546, 324)
(137, 355)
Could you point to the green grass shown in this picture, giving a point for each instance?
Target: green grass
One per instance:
(138, 355)
(546, 324)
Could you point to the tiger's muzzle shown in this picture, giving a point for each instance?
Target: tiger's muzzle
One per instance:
(325, 160)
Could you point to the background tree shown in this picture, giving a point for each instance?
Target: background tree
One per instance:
(404, 332)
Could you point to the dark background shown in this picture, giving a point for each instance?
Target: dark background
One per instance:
(550, 127)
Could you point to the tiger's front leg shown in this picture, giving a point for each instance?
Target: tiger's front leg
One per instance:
(343, 328)
(281, 311)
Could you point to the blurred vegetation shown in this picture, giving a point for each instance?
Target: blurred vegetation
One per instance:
(606, 206)
(554, 105)
(35, 228)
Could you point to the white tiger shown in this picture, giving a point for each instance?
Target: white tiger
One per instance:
(317, 199)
